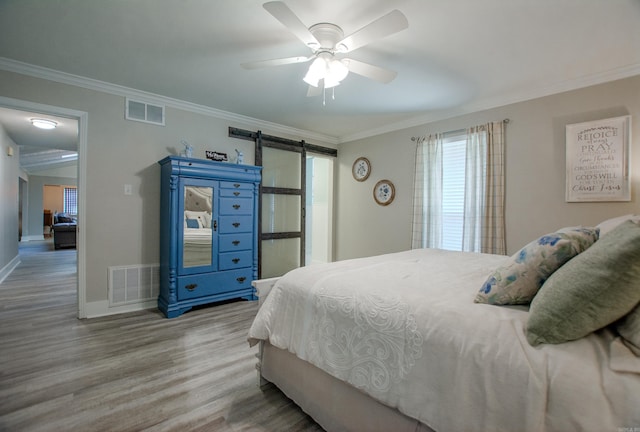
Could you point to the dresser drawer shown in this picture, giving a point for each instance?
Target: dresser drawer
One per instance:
(236, 189)
(213, 283)
(235, 242)
(236, 224)
(236, 206)
(235, 260)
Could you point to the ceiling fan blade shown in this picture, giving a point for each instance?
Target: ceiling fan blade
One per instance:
(370, 71)
(282, 13)
(384, 26)
(275, 62)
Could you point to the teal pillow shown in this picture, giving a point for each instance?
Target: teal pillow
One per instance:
(193, 223)
(594, 289)
(518, 281)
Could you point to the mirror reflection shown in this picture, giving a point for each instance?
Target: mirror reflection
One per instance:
(197, 226)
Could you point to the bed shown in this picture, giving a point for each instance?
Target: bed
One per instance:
(419, 340)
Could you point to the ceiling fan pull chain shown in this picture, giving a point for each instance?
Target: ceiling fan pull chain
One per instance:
(333, 93)
(324, 97)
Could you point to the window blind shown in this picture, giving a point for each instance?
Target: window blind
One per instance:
(71, 200)
(453, 180)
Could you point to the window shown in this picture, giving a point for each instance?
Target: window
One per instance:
(70, 200)
(453, 179)
(458, 201)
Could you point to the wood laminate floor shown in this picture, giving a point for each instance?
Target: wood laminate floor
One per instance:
(131, 372)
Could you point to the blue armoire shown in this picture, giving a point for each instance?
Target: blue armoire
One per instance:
(208, 232)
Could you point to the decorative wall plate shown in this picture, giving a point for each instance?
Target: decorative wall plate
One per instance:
(384, 192)
(361, 169)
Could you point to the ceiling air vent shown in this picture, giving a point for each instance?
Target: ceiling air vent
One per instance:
(144, 112)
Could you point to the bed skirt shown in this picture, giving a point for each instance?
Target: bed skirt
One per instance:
(333, 404)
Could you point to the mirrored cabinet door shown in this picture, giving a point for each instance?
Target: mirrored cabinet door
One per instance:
(198, 223)
(198, 226)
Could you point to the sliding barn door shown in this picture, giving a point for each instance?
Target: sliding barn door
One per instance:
(282, 207)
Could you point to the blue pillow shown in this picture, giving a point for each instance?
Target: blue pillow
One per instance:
(518, 281)
(193, 223)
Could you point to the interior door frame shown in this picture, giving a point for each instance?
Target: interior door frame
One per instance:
(82, 118)
(261, 140)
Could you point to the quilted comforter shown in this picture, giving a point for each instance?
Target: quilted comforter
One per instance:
(404, 329)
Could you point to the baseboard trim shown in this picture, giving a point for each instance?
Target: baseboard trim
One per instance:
(32, 238)
(6, 270)
(101, 308)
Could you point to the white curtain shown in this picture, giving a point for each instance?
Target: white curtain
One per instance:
(483, 226)
(427, 207)
(474, 188)
(493, 223)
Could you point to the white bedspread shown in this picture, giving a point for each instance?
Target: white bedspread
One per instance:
(404, 329)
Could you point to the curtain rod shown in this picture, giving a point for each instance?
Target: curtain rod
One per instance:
(505, 121)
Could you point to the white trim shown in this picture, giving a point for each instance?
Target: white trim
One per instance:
(91, 84)
(101, 308)
(81, 241)
(30, 238)
(489, 103)
(6, 270)
(118, 90)
(83, 119)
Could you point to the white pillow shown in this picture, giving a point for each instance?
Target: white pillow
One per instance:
(609, 224)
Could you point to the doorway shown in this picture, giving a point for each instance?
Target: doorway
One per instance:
(26, 109)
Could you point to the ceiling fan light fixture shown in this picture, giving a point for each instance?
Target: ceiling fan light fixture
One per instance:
(329, 82)
(44, 123)
(317, 71)
(312, 81)
(332, 71)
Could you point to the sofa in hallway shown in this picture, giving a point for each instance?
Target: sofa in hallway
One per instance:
(64, 231)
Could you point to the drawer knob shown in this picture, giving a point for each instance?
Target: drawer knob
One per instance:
(241, 279)
(235, 242)
(236, 193)
(191, 287)
(236, 260)
(236, 185)
(236, 224)
(236, 206)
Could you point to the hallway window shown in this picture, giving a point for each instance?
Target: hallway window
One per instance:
(71, 200)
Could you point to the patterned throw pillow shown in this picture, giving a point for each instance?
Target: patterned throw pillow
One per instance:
(518, 281)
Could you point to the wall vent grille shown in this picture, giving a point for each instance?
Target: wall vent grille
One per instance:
(133, 284)
(144, 112)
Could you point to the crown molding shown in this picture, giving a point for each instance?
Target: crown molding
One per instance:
(507, 99)
(22, 68)
(485, 104)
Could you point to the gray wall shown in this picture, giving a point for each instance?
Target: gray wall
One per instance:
(535, 170)
(123, 229)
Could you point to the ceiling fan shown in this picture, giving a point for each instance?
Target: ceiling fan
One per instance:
(327, 42)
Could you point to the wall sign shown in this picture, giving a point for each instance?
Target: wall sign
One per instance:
(598, 160)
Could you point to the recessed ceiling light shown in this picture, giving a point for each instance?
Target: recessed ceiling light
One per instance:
(43, 123)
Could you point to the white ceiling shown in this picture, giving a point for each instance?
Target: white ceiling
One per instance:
(41, 149)
(456, 56)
